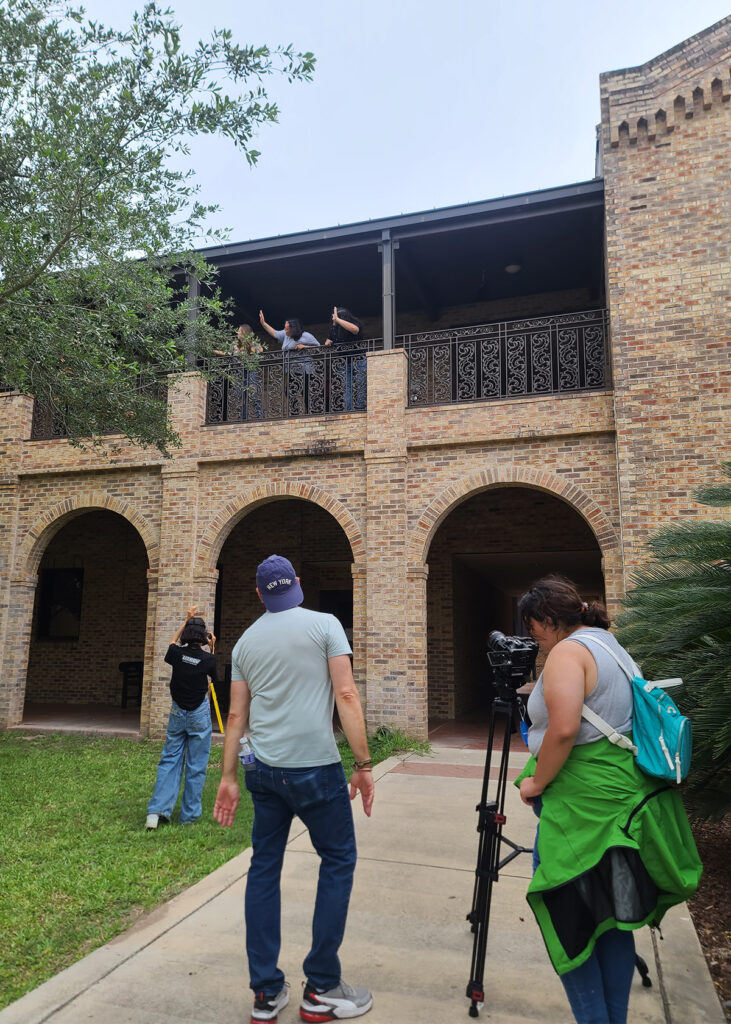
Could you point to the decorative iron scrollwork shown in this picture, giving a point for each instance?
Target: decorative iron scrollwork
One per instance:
(534, 356)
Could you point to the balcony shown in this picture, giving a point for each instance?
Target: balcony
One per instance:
(561, 354)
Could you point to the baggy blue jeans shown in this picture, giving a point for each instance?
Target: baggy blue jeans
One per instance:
(187, 745)
(598, 991)
(319, 797)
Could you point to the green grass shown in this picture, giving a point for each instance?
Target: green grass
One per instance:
(77, 866)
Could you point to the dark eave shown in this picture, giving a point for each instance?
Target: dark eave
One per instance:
(565, 198)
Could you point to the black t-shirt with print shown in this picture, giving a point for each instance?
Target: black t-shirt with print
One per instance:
(191, 669)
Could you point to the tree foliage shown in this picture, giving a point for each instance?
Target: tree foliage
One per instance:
(678, 623)
(97, 221)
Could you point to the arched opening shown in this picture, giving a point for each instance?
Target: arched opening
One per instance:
(484, 555)
(317, 547)
(89, 618)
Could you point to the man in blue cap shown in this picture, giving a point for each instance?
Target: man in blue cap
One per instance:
(289, 670)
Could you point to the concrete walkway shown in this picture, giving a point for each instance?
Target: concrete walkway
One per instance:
(407, 938)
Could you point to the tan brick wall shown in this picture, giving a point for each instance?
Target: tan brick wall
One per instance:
(667, 164)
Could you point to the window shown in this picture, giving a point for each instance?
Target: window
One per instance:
(59, 604)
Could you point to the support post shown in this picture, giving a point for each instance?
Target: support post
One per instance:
(386, 248)
(194, 291)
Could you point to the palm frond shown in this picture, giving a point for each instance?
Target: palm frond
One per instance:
(677, 622)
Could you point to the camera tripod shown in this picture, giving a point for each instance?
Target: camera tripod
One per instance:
(490, 827)
(505, 706)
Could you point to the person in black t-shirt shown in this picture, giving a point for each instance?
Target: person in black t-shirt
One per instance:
(349, 365)
(188, 740)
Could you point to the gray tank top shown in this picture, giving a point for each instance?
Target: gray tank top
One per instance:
(611, 698)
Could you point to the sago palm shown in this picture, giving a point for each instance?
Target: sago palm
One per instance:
(678, 623)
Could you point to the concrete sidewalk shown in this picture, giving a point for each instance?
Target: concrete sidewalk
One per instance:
(407, 938)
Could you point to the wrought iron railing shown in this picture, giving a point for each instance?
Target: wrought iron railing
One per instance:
(49, 422)
(518, 358)
(310, 382)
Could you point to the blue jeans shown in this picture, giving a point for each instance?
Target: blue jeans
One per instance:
(319, 797)
(598, 991)
(187, 744)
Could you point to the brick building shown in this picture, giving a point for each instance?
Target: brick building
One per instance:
(546, 381)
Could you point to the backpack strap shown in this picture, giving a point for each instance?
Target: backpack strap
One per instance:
(604, 727)
(596, 720)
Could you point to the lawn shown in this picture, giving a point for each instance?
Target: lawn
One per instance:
(78, 866)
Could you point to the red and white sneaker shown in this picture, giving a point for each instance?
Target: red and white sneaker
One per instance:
(339, 1003)
(267, 1007)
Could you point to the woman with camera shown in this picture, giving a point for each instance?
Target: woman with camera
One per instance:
(188, 740)
(614, 848)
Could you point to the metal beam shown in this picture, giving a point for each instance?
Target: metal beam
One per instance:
(388, 290)
(421, 230)
(566, 196)
(194, 291)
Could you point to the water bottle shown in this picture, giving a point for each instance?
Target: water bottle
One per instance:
(246, 754)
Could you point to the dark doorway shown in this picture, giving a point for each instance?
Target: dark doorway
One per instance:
(89, 617)
(485, 554)
(317, 547)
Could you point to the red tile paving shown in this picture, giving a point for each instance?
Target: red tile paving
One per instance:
(470, 733)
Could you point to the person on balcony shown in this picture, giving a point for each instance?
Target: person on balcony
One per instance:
(293, 338)
(345, 332)
(245, 393)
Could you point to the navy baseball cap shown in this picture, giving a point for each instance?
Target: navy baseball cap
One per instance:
(278, 584)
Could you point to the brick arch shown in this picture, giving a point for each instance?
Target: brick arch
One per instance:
(231, 512)
(55, 518)
(512, 476)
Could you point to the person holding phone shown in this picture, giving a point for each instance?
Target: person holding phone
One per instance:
(188, 740)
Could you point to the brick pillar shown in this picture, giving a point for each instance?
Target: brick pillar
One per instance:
(176, 586)
(22, 592)
(417, 664)
(392, 700)
(148, 678)
(16, 418)
(360, 641)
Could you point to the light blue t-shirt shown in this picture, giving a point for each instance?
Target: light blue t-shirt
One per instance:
(288, 344)
(283, 657)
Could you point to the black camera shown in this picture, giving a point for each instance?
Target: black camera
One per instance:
(512, 658)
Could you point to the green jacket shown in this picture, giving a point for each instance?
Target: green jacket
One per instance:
(616, 851)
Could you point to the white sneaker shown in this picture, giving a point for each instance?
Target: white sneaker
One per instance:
(341, 1003)
(266, 1007)
(151, 822)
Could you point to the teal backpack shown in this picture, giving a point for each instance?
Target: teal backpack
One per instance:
(662, 739)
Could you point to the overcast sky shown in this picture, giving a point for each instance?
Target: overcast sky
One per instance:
(418, 104)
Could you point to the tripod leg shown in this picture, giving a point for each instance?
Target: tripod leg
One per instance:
(643, 971)
(490, 822)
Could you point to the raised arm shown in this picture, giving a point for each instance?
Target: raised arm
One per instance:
(267, 327)
(192, 611)
(350, 711)
(345, 324)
